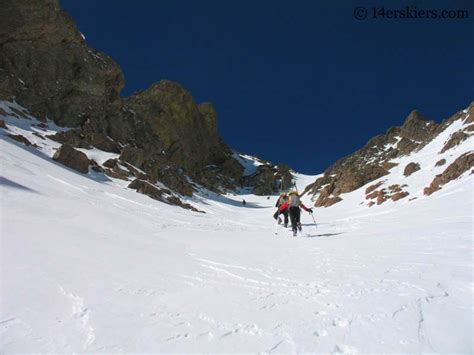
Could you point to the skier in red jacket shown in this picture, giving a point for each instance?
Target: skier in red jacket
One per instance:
(293, 204)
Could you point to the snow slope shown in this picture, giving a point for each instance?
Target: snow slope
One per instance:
(91, 266)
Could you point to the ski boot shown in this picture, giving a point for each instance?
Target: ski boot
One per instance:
(279, 220)
(286, 225)
(300, 228)
(294, 232)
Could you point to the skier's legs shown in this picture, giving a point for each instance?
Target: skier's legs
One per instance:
(294, 216)
(298, 217)
(285, 214)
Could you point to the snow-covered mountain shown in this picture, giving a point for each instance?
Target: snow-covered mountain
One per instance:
(405, 164)
(89, 265)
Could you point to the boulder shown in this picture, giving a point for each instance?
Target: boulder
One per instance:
(411, 168)
(381, 197)
(399, 195)
(3, 125)
(372, 195)
(72, 158)
(373, 187)
(440, 162)
(110, 163)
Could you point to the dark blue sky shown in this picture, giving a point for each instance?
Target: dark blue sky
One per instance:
(299, 82)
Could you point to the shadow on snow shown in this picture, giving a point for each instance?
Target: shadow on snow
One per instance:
(15, 185)
(322, 235)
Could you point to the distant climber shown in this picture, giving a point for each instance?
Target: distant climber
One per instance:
(243, 202)
(293, 205)
(281, 200)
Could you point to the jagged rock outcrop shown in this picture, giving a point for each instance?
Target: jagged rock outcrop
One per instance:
(373, 160)
(187, 132)
(72, 158)
(452, 172)
(47, 67)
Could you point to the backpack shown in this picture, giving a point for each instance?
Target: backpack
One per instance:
(294, 200)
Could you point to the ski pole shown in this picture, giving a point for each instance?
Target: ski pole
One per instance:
(315, 224)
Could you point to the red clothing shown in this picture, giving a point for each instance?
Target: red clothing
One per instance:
(285, 206)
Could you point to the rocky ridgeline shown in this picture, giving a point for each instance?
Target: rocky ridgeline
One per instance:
(47, 67)
(375, 160)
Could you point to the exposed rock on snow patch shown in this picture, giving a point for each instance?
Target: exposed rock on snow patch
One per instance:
(452, 172)
(159, 194)
(372, 188)
(455, 139)
(411, 168)
(440, 162)
(72, 158)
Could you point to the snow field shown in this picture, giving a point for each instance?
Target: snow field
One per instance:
(91, 266)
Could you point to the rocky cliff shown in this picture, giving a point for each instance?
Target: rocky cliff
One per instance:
(47, 67)
(378, 161)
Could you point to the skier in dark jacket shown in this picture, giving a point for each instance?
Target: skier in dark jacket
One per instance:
(293, 205)
(281, 200)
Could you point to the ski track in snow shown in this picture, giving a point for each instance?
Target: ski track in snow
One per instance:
(90, 266)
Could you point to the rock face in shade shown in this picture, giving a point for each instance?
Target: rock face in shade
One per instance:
(187, 132)
(47, 67)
